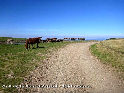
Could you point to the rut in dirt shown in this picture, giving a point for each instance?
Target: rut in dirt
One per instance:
(73, 69)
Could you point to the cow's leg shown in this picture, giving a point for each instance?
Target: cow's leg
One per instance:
(27, 46)
(37, 45)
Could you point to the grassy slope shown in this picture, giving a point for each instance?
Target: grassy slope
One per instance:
(16, 62)
(111, 52)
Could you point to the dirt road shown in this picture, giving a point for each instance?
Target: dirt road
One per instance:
(73, 69)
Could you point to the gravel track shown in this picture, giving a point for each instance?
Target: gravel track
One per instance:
(73, 69)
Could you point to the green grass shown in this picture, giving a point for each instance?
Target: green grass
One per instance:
(16, 62)
(111, 52)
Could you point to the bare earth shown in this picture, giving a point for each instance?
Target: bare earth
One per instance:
(73, 69)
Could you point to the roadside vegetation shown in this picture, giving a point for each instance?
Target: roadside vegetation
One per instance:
(111, 52)
(16, 62)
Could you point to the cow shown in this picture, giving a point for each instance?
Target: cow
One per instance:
(81, 38)
(51, 39)
(67, 38)
(32, 41)
(59, 40)
(73, 38)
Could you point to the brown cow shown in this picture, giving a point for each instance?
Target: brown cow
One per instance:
(51, 39)
(73, 38)
(32, 41)
(81, 38)
(67, 38)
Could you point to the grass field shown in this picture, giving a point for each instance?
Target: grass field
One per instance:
(16, 62)
(111, 52)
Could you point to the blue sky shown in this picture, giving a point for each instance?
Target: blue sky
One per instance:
(74, 18)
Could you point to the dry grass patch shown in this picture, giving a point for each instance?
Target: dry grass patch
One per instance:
(111, 52)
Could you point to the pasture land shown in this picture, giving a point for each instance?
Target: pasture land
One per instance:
(111, 52)
(16, 62)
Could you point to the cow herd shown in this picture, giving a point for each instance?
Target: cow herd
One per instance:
(52, 40)
(74, 38)
(60, 40)
(37, 40)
